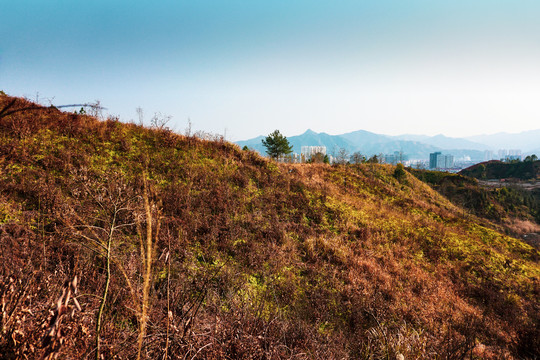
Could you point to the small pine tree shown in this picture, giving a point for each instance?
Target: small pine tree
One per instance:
(531, 158)
(373, 160)
(326, 160)
(399, 172)
(276, 145)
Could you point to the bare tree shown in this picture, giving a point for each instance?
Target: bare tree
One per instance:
(188, 131)
(358, 158)
(342, 156)
(147, 256)
(140, 115)
(160, 121)
(96, 110)
(114, 206)
(10, 108)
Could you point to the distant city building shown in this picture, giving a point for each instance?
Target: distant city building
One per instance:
(488, 155)
(296, 158)
(446, 161)
(440, 161)
(419, 164)
(509, 155)
(395, 158)
(309, 151)
(514, 154)
(433, 159)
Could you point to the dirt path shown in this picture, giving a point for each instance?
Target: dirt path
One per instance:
(526, 185)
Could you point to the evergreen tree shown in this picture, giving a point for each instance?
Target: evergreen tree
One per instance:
(326, 160)
(399, 172)
(276, 145)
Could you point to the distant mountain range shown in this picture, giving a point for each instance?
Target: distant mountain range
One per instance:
(414, 146)
(527, 141)
(444, 142)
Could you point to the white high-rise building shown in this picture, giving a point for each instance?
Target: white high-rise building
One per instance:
(309, 151)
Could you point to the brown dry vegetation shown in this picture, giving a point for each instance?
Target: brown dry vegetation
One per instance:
(246, 258)
(515, 209)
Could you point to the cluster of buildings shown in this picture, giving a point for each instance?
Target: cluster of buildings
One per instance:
(503, 155)
(395, 158)
(437, 160)
(309, 151)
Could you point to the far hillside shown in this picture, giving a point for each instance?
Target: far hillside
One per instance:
(522, 170)
(515, 208)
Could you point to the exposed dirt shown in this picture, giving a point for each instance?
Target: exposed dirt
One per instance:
(532, 239)
(527, 185)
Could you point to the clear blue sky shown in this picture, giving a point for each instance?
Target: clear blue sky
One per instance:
(453, 67)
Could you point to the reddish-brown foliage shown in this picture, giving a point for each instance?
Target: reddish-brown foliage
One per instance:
(253, 259)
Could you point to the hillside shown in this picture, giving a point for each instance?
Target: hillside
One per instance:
(119, 238)
(522, 170)
(515, 208)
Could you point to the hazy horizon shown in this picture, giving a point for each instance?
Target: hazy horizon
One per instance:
(400, 134)
(246, 68)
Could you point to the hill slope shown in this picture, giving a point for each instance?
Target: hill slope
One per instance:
(523, 170)
(248, 258)
(516, 208)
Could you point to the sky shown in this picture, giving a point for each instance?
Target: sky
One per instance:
(243, 68)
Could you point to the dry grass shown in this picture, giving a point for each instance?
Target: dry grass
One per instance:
(222, 254)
